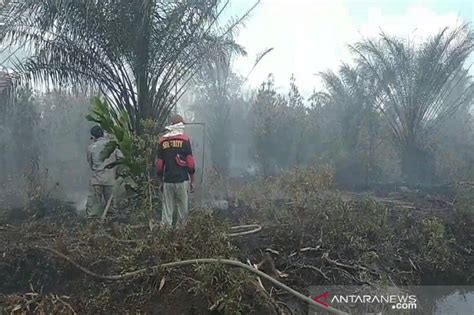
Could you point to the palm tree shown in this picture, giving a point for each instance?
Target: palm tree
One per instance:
(416, 83)
(216, 86)
(5, 140)
(219, 89)
(352, 92)
(138, 54)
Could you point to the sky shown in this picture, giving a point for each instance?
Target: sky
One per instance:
(310, 36)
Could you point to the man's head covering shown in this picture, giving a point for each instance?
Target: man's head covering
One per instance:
(176, 119)
(97, 132)
(176, 127)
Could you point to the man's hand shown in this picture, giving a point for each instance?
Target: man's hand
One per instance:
(191, 186)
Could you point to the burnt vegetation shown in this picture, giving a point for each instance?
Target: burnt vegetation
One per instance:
(367, 182)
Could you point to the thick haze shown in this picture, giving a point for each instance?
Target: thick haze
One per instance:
(308, 37)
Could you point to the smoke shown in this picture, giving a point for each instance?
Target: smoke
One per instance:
(44, 140)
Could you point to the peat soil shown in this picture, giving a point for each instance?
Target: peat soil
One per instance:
(298, 251)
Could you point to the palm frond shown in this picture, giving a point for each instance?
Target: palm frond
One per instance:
(415, 81)
(140, 55)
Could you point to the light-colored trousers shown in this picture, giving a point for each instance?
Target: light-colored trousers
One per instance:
(97, 200)
(175, 200)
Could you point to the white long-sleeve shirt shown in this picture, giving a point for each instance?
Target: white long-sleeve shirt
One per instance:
(100, 174)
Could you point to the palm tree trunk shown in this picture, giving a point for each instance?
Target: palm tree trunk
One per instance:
(417, 164)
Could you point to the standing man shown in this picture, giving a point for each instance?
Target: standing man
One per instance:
(175, 167)
(103, 179)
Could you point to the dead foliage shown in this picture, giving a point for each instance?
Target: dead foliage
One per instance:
(307, 238)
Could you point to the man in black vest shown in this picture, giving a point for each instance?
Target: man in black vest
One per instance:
(175, 167)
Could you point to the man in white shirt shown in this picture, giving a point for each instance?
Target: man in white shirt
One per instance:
(102, 179)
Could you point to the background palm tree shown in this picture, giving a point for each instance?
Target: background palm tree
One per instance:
(351, 94)
(416, 84)
(217, 90)
(138, 54)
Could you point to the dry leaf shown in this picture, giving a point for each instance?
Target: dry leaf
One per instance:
(282, 274)
(16, 308)
(162, 283)
(273, 251)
